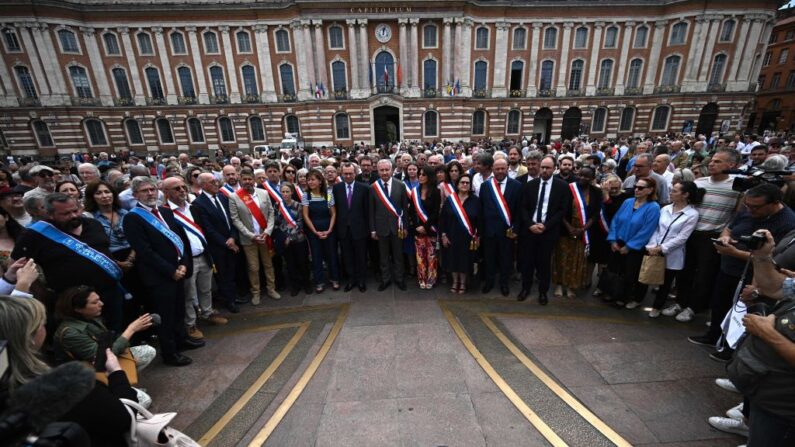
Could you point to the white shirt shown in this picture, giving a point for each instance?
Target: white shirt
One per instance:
(477, 181)
(196, 245)
(673, 247)
(254, 222)
(544, 204)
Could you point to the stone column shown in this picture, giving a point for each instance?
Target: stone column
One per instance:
(303, 84)
(404, 59)
(690, 70)
(563, 68)
(59, 90)
(364, 58)
(36, 70)
(446, 52)
(353, 64)
(744, 75)
(165, 62)
(310, 57)
(532, 89)
(593, 69)
(231, 69)
(138, 90)
(320, 57)
(455, 57)
(264, 61)
(736, 59)
(198, 68)
(104, 93)
(622, 64)
(9, 97)
(654, 58)
(706, 62)
(500, 60)
(413, 62)
(466, 57)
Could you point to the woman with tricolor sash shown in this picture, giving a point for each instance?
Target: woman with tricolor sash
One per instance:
(570, 267)
(409, 249)
(296, 250)
(459, 219)
(613, 196)
(424, 216)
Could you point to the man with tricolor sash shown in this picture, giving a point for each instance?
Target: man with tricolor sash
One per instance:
(499, 197)
(272, 185)
(388, 200)
(231, 183)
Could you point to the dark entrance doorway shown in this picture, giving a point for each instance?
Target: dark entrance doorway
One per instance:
(706, 120)
(571, 123)
(769, 121)
(542, 125)
(386, 124)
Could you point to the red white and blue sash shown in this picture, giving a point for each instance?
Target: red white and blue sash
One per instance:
(190, 226)
(460, 212)
(603, 221)
(502, 204)
(300, 193)
(378, 187)
(277, 197)
(579, 203)
(227, 190)
(409, 188)
(150, 218)
(416, 199)
(448, 188)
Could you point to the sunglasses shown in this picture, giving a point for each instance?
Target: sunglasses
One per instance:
(638, 187)
(45, 174)
(289, 172)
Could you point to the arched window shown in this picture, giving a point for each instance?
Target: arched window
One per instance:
(430, 124)
(68, 41)
(479, 123)
(547, 68)
(210, 42)
(80, 81)
(519, 38)
(164, 131)
(336, 40)
(716, 76)
(429, 36)
(218, 83)
(338, 77)
(727, 31)
(670, 71)
(145, 44)
(605, 74)
(111, 44)
(635, 71)
(627, 117)
(288, 85)
(43, 135)
(550, 38)
(226, 130)
(480, 75)
(26, 84)
(282, 41)
(517, 70)
(641, 34)
(384, 71)
(482, 38)
(256, 128)
(134, 134)
(599, 119)
(155, 87)
(678, 34)
(243, 42)
(429, 74)
(249, 81)
(122, 85)
(660, 120)
(291, 122)
(581, 37)
(11, 40)
(575, 76)
(186, 82)
(195, 130)
(96, 132)
(514, 118)
(178, 43)
(611, 37)
(341, 127)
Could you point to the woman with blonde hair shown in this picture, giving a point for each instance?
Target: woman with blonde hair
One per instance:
(22, 326)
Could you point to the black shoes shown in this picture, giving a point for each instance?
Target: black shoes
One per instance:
(349, 287)
(295, 292)
(522, 295)
(722, 356)
(505, 290)
(362, 287)
(703, 340)
(177, 360)
(384, 285)
(401, 285)
(542, 298)
(232, 307)
(486, 288)
(308, 289)
(190, 343)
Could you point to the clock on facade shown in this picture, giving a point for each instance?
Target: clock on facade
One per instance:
(383, 33)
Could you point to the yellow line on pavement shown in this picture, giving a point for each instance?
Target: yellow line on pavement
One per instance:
(517, 401)
(299, 387)
(229, 333)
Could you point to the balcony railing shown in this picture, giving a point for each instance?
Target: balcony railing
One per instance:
(430, 92)
(77, 101)
(668, 89)
(716, 88)
(220, 99)
(518, 93)
(251, 99)
(577, 92)
(481, 93)
(287, 97)
(123, 102)
(28, 102)
(630, 91)
(339, 94)
(547, 92)
(385, 89)
(151, 101)
(605, 91)
(187, 100)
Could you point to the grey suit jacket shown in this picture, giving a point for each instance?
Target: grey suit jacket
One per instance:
(242, 219)
(382, 221)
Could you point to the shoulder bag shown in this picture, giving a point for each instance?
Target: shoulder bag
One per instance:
(150, 430)
(652, 270)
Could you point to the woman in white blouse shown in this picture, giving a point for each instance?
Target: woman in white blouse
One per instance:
(677, 222)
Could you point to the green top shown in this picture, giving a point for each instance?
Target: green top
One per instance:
(78, 339)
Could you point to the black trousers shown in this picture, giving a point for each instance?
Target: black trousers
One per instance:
(168, 299)
(296, 256)
(702, 264)
(498, 254)
(628, 267)
(391, 245)
(721, 302)
(665, 288)
(537, 250)
(225, 270)
(354, 258)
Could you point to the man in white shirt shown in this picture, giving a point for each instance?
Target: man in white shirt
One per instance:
(660, 167)
(483, 163)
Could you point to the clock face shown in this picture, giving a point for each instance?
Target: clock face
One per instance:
(383, 33)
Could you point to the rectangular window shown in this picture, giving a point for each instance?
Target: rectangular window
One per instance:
(134, 132)
(519, 38)
(68, 41)
(599, 120)
(43, 134)
(640, 37)
(766, 61)
(243, 42)
(145, 44)
(341, 123)
(257, 131)
(660, 121)
(282, 41)
(783, 56)
(479, 123)
(791, 80)
(627, 115)
(429, 36)
(210, 42)
(775, 80)
(482, 38)
(96, 133)
(12, 42)
(111, 44)
(581, 37)
(550, 38)
(335, 39)
(178, 44)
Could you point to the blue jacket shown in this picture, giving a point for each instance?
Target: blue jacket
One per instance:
(634, 227)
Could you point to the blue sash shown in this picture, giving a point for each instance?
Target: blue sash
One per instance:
(59, 237)
(164, 230)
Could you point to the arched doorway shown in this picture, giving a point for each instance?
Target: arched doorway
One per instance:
(706, 120)
(384, 72)
(571, 123)
(542, 125)
(386, 124)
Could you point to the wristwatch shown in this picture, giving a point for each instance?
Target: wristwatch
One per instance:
(755, 294)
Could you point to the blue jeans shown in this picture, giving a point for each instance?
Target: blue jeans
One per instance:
(766, 430)
(324, 250)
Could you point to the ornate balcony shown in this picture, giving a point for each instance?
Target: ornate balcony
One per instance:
(385, 89)
(123, 102)
(578, 92)
(630, 91)
(716, 88)
(547, 92)
(605, 91)
(339, 94)
(77, 101)
(287, 97)
(481, 93)
(520, 93)
(220, 99)
(250, 99)
(28, 102)
(150, 101)
(188, 100)
(668, 89)
(430, 92)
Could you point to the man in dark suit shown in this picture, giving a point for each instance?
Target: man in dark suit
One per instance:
(498, 229)
(212, 214)
(384, 224)
(545, 203)
(162, 268)
(351, 199)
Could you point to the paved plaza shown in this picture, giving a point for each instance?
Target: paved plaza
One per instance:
(428, 368)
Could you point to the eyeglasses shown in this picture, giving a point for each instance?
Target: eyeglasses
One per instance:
(755, 207)
(290, 171)
(638, 187)
(45, 174)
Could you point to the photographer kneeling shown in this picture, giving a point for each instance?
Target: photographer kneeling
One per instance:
(763, 368)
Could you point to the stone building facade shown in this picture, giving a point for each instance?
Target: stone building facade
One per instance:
(775, 102)
(190, 75)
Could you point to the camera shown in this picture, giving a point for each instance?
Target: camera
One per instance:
(752, 241)
(758, 308)
(748, 178)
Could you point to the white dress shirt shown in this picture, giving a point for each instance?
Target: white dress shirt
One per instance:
(673, 247)
(196, 245)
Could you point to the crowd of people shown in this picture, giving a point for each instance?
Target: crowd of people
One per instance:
(104, 242)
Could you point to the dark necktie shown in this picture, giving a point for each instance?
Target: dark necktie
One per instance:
(221, 210)
(386, 189)
(350, 194)
(541, 198)
(156, 213)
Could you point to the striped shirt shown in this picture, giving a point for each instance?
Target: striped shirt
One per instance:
(717, 208)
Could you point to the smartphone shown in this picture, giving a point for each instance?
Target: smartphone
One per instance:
(717, 241)
(104, 341)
